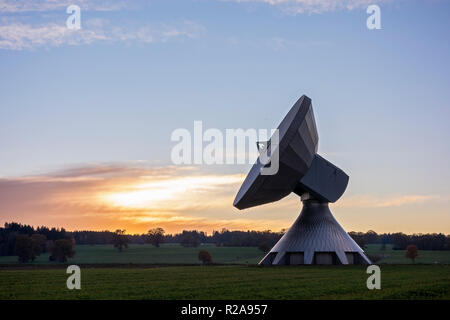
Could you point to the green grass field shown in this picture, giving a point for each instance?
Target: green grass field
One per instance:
(398, 256)
(229, 282)
(147, 254)
(45, 280)
(176, 254)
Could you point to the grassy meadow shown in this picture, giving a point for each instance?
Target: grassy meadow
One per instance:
(148, 254)
(229, 282)
(398, 256)
(174, 272)
(176, 254)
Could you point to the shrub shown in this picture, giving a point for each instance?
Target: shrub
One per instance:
(204, 256)
(411, 252)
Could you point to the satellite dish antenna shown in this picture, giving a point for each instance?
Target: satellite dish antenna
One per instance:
(315, 237)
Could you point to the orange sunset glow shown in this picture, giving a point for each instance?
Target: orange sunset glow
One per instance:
(107, 197)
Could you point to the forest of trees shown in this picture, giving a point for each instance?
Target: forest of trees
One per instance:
(27, 242)
(43, 239)
(400, 241)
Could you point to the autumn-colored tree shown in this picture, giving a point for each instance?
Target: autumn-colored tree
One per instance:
(24, 248)
(204, 256)
(61, 250)
(412, 252)
(155, 236)
(39, 241)
(120, 240)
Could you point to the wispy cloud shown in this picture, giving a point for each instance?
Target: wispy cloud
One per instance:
(20, 36)
(291, 6)
(110, 196)
(138, 197)
(14, 6)
(315, 6)
(31, 24)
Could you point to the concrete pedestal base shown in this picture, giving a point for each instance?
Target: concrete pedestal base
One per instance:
(315, 238)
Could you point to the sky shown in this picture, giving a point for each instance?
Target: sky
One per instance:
(86, 116)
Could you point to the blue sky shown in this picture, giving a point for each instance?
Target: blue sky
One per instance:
(137, 70)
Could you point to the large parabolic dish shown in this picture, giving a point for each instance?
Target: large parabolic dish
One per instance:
(316, 237)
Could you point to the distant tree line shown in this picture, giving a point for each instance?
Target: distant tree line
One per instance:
(246, 238)
(186, 238)
(400, 241)
(263, 239)
(28, 242)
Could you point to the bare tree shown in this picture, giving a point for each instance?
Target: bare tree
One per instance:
(120, 240)
(155, 236)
